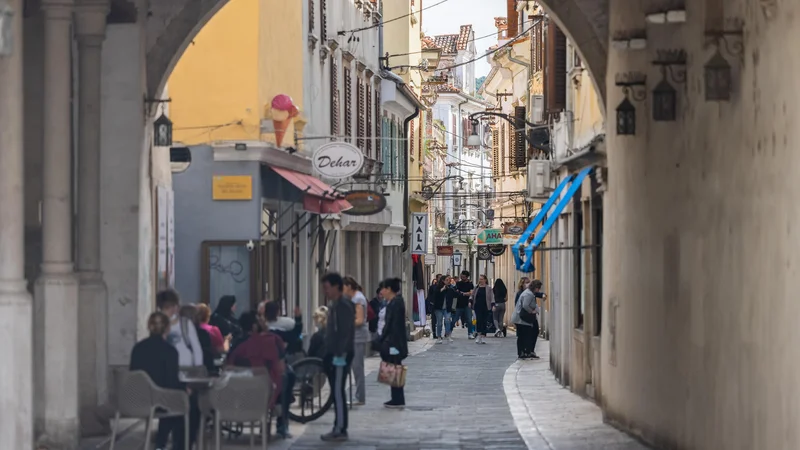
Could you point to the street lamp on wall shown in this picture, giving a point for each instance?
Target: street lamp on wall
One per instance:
(665, 97)
(633, 86)
(718, 74)
(6, 30)
(162, 131)
(535, 135)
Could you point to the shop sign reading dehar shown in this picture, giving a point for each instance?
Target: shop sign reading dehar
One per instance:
(337, 160)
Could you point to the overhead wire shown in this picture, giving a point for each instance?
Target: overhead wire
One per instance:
(383, 22)
(423, 51)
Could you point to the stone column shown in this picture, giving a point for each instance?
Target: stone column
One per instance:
(56, 291)
(16, 315)
(90, 21)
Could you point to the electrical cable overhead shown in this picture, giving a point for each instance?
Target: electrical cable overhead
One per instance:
(423, 51)
(383, 22)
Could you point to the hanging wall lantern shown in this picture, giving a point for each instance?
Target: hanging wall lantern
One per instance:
(162, 132)
(6, 30)
(665, 97)
(718, 73)
(718, 78)
(633, 87)
(626, 118)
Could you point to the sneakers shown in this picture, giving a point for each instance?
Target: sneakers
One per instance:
(478, 339)
(450, 339)
(534, 356)
(392, 405)
(439, 340)
(471, 336)
(498, 333)
(334, 436)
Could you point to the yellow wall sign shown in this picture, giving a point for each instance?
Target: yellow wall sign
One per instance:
(239, 187)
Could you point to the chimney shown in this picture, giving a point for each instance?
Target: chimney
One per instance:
(513, 18)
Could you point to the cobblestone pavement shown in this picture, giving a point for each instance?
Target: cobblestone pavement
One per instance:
(454, 400)
(551, 417)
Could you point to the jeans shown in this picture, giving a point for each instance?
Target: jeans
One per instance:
(443, 316)
(499, 315)
(523, 336)
(465, 314)
(282, 423)
(358, 371)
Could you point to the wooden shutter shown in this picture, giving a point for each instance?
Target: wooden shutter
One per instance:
(348, 110)
(520, 154)
(368, 102)
(323, 21)
(537, 49)
(335, 100)
(495, 152)
(385, 151)
(393, 147)
(503, 140)
(311, 16)
(360, 124)
(556, 71)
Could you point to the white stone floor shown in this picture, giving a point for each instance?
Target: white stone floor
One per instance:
(549, 416)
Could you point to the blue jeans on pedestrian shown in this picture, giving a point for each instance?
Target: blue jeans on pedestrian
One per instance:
(465, 315)
(443, 316)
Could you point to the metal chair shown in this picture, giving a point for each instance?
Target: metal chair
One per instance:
(243, 400)
(139, 398)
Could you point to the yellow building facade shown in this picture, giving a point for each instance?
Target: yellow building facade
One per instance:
(224, 83)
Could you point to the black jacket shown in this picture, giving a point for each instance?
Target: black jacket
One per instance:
(224, 319)
(316, 348)
(394, 332)
(159, 359)
(340, 332)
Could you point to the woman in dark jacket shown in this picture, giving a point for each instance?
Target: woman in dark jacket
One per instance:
(499, 308)
(394, 338)
(224, 318)
(159, 359)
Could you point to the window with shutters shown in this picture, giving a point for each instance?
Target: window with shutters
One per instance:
(503, 140)
(556, 69)
(512, 147)
(348, 110)
(412, 147)
(335, 100)
(399, 150)
(495, 152)
(323, 20)
(386, 151)
(368, 103)
(360, 116)
(519, 157)
(537, 47)
(311, 16)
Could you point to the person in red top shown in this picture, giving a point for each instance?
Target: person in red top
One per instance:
(218, 342)
(260, 349)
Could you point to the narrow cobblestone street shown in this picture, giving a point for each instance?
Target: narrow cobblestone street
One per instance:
(462, 396)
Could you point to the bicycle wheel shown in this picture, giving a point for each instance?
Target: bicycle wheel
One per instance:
(313, 395)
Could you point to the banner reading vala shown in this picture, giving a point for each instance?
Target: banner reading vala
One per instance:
(419, 233)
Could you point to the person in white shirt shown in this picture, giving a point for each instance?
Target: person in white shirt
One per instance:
(353, 290)
(182, 333)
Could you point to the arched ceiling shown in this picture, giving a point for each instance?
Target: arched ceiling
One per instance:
(171, 25)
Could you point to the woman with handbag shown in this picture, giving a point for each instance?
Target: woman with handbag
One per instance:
(393, 343)
(482, 300)
(525, 318)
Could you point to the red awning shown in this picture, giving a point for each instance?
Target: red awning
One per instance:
(318, 197)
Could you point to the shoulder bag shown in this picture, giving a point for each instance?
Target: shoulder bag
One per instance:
(392, 374)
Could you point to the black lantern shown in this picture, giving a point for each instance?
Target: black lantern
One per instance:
(626, 118)
(718, 78)
(664, 102)
(162, 132)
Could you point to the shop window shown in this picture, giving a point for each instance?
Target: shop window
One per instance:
(228, 270)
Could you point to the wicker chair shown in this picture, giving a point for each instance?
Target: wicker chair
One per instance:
(139, 398)
(242, 400)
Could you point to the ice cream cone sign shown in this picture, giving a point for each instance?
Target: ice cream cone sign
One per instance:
(281, 111)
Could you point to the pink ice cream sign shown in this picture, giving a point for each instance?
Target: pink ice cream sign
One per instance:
(282, 111)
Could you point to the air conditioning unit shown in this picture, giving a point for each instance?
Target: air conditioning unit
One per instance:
(539, 179)
(538, 108)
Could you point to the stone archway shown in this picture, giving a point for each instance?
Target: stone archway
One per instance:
(585, 22)
(171, 26)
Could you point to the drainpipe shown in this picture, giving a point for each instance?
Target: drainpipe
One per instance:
(406, 216)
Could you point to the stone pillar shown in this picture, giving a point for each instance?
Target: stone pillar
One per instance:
(56, 290)
(16, 315)
(90, 21)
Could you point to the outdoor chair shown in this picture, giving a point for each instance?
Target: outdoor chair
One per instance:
(139, 398)
(242, 400)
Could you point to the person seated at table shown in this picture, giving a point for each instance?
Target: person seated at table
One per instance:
(224, 318)
(182, 333)
(317, 348)
(190, 313)
(220, 344)
(290, 330)
(263, 349)
(155, 356)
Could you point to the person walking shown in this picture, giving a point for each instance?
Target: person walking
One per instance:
(443, 304)
(499, 308)
(482, 299)
(524, 318)
(340, 347)
(362, 338)
(433, 292)
(394, 338)
(464, 288)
